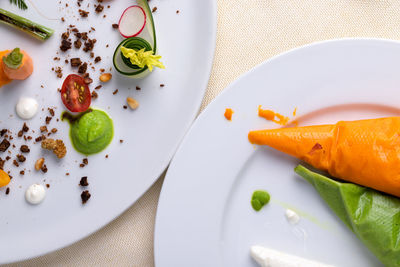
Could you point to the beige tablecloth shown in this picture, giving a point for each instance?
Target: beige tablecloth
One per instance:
(249, 32)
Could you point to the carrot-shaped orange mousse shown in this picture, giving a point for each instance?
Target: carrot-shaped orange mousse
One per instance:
(365, 152)
(17, 65)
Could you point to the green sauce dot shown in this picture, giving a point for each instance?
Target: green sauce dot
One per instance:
(259, 199)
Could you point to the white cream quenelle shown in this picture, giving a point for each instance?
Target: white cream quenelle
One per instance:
(266, 257)
(35, 194)
(27, 108)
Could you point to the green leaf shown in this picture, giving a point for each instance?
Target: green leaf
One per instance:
(374, 217)
(14, 59)
(20, 3)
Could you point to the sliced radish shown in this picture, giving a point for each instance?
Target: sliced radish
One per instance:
(132, 21)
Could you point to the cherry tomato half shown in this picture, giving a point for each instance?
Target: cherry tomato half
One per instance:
(75, 93)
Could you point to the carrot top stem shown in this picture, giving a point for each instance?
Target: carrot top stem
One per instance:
(14, 59)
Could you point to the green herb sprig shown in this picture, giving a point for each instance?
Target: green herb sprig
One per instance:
(20, 3)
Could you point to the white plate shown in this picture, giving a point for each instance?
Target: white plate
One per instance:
(151, 134)
(204, 216)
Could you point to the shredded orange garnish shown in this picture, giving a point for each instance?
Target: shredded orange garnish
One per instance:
(272, 116)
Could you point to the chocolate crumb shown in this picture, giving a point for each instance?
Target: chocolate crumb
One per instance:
(85, 161)
(99, 8)
(82, 68)
(22, 172)
(54, 130)
(21, 158)
(115, 26)
(138, 88)
(83, 13)
(43, 128)
(85, 196)
(24, 149)
(98, 87)
(125, 106)
(20, 133)
(25, 128)
(48, 185)
(2, 164)
(3, 132)
(81, 165)
(48, 119)
(7, 191)
(75, 62)
(97, 59)
(16, 163)
(51, 111)
(115, 92)
(4, 145)
(65, 45)
(121, 141)
(84, 181)
(154, 9)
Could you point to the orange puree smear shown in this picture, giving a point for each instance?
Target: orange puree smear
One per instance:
(3, 78)
(228, 114)
(272, 116)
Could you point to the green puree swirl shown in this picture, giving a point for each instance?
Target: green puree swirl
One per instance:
(91, 131)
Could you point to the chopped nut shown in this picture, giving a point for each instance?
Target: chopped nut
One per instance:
(39, 164)
(115, 26)
(54, 130)
(43, 128)
(75, 62)
(105, 77)
(21, 158)
(132, 103)
(82, 68)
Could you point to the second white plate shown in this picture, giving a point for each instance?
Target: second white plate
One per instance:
(204, 216)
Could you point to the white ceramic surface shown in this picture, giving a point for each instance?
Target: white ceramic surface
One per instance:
(204, 216)
(151, 133)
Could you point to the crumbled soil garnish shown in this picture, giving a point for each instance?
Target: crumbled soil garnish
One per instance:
(82, 165)
(56, 58)
(91, 54)
(51, 111)
(97, 59)
(95, 95)
(115, 26)
(83, 13)
(98, 87)
(44, 168)
(177, 12)
(48, 119)
(107, 156)
(22, 172)
(58, 71)
(84, 181)
(138, 88)
(54, 130)
(102, 70)
(57, 146)
(85, 161)
(48, 185)
(7, 191)
(77, 44)
(25, 128)
(154, 9)
(92, 28)
(89, 45)
(115, 92)
(24, 149)
(65, 35)
(29, 137)
(13, 146)
(125, 106)
(2, 164)
(21, 158)
(65, 45)
(3, 132)
(88, 80)
(99, 8)
(82, 68)
(84, 36)
(8, 158)
(67, 173)
(78, 35)
(85, 196)
(75, 62)
(62, 19)
(162, 85)
(20, 133)
(121, 141)
(16, 164)
(43, 128)
(4, 145)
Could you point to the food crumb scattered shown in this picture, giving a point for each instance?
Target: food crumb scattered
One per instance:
(85, 196)
(57, 146)
(84, 181)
